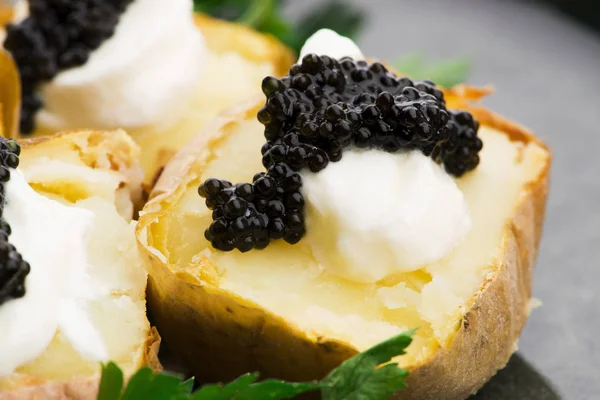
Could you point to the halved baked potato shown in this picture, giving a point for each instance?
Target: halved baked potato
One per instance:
(99, 172)
(272, 311)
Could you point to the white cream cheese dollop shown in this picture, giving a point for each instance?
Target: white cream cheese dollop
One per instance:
(374, 214)
(51, 237)
(142, 75)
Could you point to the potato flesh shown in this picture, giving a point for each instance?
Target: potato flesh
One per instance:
(114, 263)
(287, 280)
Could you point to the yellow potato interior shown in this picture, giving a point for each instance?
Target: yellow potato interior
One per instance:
(286, 280)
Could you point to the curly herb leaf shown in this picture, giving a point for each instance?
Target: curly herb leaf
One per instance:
(363, 378)
(111, 383)
(246, 388)
(145, 384)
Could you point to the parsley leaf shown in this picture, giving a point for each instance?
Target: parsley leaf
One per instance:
(445, 73)
(145, 384)
(246, 388)
(225, 392)
(111, 383)
(361, 378)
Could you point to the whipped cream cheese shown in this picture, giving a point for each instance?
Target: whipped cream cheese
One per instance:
(52, 238)
(374, 214)
(142, 75)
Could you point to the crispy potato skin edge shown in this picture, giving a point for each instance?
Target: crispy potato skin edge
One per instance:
(232, 336)
(125, 153)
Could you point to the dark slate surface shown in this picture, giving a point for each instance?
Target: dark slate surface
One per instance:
(546, 69)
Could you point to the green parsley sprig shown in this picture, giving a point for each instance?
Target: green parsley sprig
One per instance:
(367, 376)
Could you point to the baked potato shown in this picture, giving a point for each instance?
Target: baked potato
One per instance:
(98, 172)
(236, 60)
(227, 313)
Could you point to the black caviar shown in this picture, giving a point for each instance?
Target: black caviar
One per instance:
(57, 35)
(311, 115)
(13, 269)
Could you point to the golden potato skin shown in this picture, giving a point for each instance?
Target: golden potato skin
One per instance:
(225, 336)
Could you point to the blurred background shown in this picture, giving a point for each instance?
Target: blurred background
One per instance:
(543, 58)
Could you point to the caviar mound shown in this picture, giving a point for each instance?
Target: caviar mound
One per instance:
(55, 36)
(13, 269)
(310, 116)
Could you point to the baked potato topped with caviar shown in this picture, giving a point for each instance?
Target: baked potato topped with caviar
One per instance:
(154, 68)
(238, 283)
(69, 202)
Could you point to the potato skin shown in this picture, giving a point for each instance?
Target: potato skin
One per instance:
(219, 335)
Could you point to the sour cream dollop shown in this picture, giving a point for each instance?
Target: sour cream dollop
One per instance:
(52, 238)
(374, 214)
(140, 76)
(382, 214)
